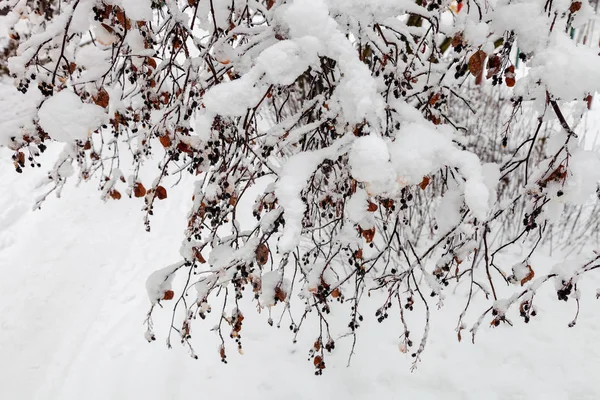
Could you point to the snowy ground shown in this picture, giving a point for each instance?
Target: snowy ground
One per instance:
(72, 304)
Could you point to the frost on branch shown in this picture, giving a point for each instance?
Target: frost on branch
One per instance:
(335, 151)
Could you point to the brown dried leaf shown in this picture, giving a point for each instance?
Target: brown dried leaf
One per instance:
(169, 294)
(165, 140)
(424, 183)
(457, 39)
(262, 254)
(198, 256)
(476, 62)
(101, 98)
(280, 294)
(494, 63)
(161, 192)
(368, 234)
(509, 76)
(575, 6)
(164, 97)
(114, 194)
(372, 207)
(358, 254)
(139, 190)
(529, 276)
(318, 361)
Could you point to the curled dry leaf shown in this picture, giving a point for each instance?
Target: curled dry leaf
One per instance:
(262, 254)
(151, 62)
(509, 76)
(114, 194)
(494, 63)
(434, 99)
(165, 140)
(101, 98)
(529, 276)
(358, 254)
(368, 234)
(575, 6)
(169, 294)
(318, 361)
(161, 192)
(139, 190)
(280, 294)
(476, 62)
(425, 182)
(372, 207)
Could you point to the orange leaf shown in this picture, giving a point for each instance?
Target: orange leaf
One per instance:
(358, 254)
(318, 361)
(509, 76)
(114, 194)
(424, 183)
(529, 276)
(165, 140)
(372, 207)
(368, 234)
(101, 98)
(161, 193)
(139, 190)
(169, 294)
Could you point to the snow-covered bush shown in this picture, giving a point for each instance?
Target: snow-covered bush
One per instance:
(389, 137)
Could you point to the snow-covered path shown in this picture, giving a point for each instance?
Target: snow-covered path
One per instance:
(72, 304)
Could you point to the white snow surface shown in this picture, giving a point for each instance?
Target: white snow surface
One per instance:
(73, 301)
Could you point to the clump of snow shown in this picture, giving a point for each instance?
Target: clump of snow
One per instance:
(284, 61)
(491, 177)
(160, 282)
(293, 177)
(138, 10)
(233, 98)
(567, 69)
(584, 168)
(23, 108)
(273, 286)
(369, 161)
(526, 19)
(356, 93)
(447, 214)
(420, 149)
(357, 209)
(66, 118)
(94, 60)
